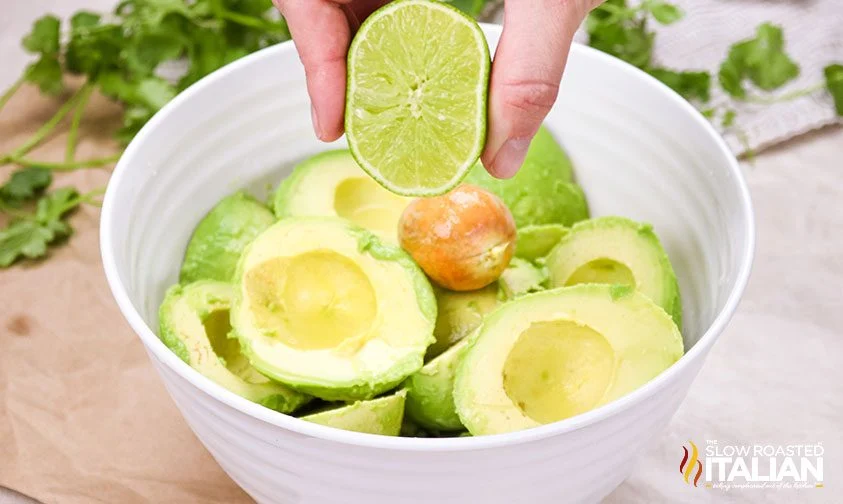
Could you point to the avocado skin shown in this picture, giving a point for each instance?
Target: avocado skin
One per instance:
(221, 236)
(543, 190)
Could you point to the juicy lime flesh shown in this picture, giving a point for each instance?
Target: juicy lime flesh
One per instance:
(558, 369)
(416, 111)
(365, 203)
(312, 301)
(217, 327)
(604, 271)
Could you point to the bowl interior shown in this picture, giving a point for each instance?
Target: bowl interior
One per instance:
(639, 151)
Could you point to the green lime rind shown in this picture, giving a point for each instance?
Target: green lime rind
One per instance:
(416, 96)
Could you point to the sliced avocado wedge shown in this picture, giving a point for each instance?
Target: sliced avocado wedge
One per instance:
(542, 192)
(619, 251)
(430, 392)
(536, 241)
(460, 313)
(327, 308)
(382, 416)
(558, 353)
(331, 184)
(221, 236)
(521, 277)
(194, 324)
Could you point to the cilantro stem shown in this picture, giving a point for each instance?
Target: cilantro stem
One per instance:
(7, 95)
(66, 166)
(43, 131)
(70, 151)
(799, 93)
(82, 198)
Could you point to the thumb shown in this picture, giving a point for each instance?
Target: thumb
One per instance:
(526, 72)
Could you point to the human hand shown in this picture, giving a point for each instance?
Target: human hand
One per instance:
(526, 71)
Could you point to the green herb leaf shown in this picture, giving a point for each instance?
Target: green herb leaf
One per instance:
(470, 7)
(46, 73)
(55, 205)
(24, 185)
(664, 12)
(84, 20)
(44, 37)
(621, 31)
(728, 118)
(834, 84)
(691, 85)
(762, 60)
(23, 238)
(31, 235)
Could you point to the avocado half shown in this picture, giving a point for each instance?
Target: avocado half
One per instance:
(194, 324)
(543, 190)
(220, 237)
(616, 250)
(383, 416)
(331, 184)
(327, 308)
(460, 313)
(558, 353)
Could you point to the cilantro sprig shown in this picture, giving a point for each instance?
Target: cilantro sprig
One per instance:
(122, 56)
(752, 70)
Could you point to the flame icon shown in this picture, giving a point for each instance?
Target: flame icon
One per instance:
(689, 463)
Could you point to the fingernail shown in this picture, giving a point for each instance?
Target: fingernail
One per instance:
(510, 157)
(315, 119)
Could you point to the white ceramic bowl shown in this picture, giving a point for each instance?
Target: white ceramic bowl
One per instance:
(639, 151)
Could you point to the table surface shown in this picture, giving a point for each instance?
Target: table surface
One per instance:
(773, 378)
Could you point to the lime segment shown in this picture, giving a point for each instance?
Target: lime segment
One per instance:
(418, 75)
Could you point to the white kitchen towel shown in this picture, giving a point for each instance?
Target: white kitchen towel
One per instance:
(813, 31)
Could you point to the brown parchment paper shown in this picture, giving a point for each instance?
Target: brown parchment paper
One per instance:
(83, 417)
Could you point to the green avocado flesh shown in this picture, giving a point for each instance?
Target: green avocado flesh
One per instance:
(327, 308)
(542, 192)
(559, 353)
(536, 241)
(221, 236)
(430, 398)
(635, 258)
(194, 323)
(313, 309)
(521, 277)
(331, 184)
(383, 416)
(460, 313)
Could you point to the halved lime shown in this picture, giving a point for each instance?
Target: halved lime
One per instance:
(418, 77)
